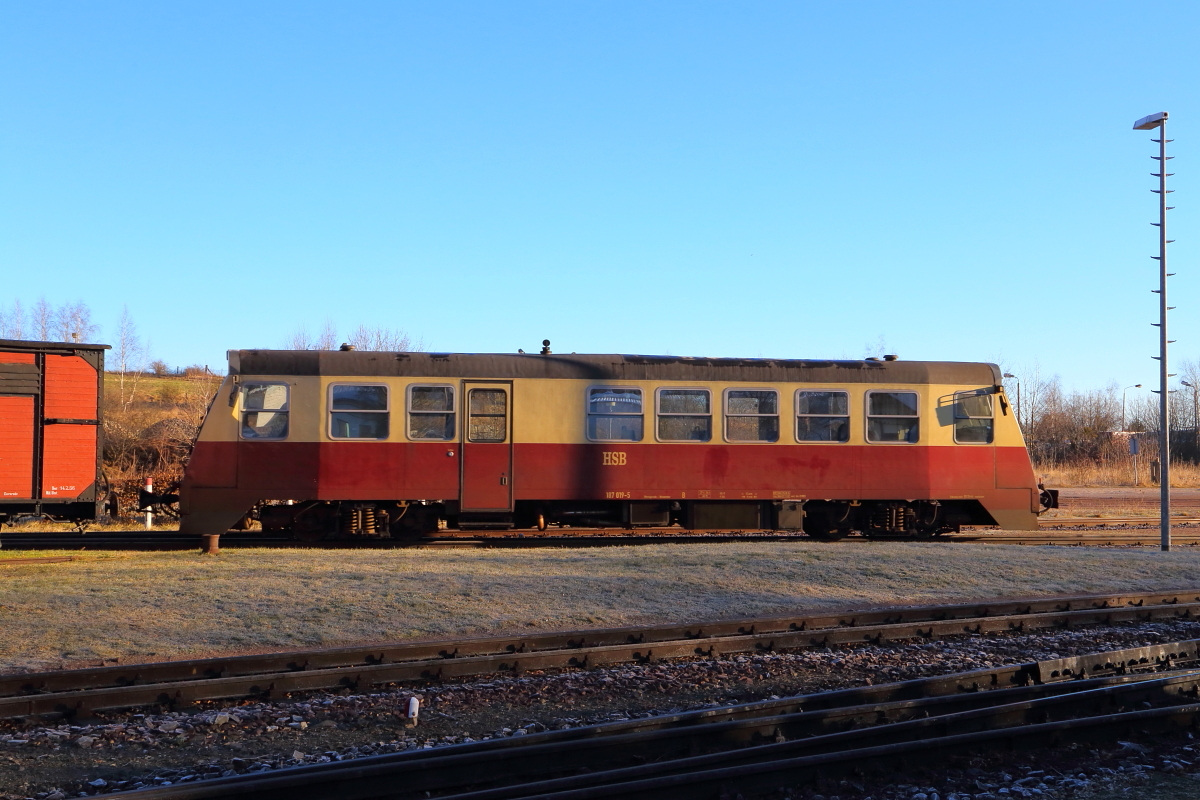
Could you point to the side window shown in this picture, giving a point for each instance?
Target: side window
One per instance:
(893, 417)
(973, 418)
(431, 413)
(614, 414)
(358, 411)
(684, 415)
(822, 416)
(752, 415)
(264, 410)
(487, 415)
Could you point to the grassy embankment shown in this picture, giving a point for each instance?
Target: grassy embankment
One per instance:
(154, 606)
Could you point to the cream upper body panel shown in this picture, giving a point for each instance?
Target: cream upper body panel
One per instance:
(555, 411)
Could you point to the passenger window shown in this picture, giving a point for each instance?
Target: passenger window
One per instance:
(684, 415)
(973, 418)
(358, 411)
(487, 415)
(614, 414)
(752, 415)
(264, 410)
(822, 416)
(893, 417)
(431, 413)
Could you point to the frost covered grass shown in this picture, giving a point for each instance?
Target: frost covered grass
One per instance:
(144, 606)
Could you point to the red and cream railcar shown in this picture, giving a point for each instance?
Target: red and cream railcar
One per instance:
(374, 443)
(50, 433)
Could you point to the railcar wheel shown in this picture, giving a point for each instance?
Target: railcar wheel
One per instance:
(824, 532)
(541, 522)
(829, 535)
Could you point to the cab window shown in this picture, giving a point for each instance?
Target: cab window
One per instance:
(973, 418)
(358, 411)
(264, 410)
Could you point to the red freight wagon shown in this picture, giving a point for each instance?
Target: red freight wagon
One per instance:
(50, 435)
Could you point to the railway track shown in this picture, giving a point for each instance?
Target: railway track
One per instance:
(1118, 531)
(78, 693)
(762, 745)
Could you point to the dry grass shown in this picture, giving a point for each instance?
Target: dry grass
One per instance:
(1114, 473)
(154, 606)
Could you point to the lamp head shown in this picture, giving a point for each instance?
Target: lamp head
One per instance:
(1151, 122)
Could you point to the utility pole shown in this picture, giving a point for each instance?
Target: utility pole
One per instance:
(1151, 122)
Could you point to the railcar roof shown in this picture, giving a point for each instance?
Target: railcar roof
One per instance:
(597, 367)
(25, 345)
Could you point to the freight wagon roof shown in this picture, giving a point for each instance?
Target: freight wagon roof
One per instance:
(26, 346)
(361, 363)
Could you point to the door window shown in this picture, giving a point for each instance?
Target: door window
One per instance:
(487, 415)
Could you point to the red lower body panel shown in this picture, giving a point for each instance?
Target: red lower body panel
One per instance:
(407, 471)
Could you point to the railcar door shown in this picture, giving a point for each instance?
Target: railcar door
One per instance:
(487, 447)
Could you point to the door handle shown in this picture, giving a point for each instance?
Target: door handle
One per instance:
(504, 480)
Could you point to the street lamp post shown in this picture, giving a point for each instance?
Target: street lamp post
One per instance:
(1018, 380)
(1123, 391)
(1151, 122)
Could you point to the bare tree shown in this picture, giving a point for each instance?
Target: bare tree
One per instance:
(301, 339)
(129, 354)
(328, 340)
(876, 349)
(12, 321)
(364, 337)
(41, 320)
(381, 339)
(73, 323)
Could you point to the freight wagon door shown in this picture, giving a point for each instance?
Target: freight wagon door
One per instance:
(20, 383)
(487, 447)
(16, 447)
(70, 427)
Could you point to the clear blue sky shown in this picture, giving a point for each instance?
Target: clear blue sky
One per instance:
(724, 179)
